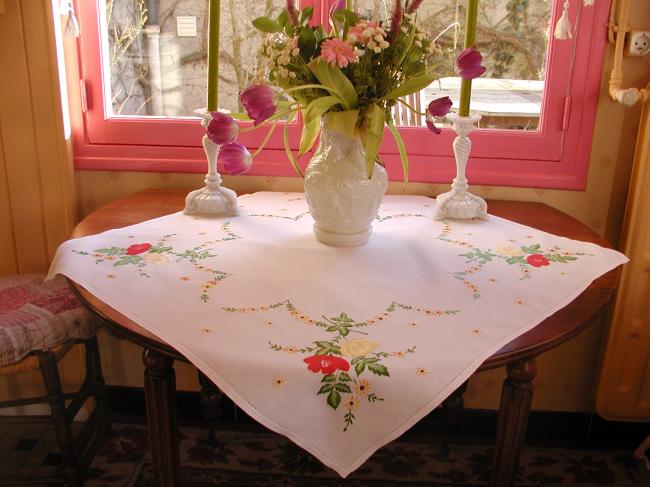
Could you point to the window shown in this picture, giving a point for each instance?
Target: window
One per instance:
(143, 68)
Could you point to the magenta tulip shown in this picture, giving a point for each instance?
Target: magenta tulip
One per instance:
(235, 158)
(222, 129)
(437, 108)
(339, 5)
(469, 63)
(259, 102)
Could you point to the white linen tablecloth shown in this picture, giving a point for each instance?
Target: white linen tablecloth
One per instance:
(339, 349)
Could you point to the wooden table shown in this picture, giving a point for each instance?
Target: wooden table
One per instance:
(518, 356)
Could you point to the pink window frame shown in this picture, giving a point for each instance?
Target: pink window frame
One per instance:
(556, 156)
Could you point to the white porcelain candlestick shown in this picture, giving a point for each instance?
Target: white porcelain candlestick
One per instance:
(213, 199)
(459, 203)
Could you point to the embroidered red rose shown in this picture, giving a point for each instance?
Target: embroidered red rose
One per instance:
(537, 260)
(138, 248)
(327, 364)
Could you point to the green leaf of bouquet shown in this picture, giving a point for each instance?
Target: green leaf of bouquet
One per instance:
(412, 85)
(319, 106)
(310, 131)
(307, 43)
(333, 77)
(287, 149)
(264, 24)
(402, 150)
(320, 33)
(334, 399)
(283, 18)
(374, 134)
(378, 369)
(305, 15)
(344, 122)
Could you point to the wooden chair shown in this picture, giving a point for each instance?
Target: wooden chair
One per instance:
(39, 323)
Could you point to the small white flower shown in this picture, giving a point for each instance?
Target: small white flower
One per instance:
(377, 49)
(418, 43)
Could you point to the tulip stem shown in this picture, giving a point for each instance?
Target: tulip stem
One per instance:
(265, 141)
(411, 108)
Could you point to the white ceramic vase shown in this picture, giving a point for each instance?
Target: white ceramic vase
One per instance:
(342, 200)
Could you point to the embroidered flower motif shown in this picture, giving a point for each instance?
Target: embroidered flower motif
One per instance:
(110, 276)
(421, 372)
(362, 387)
(475, 331)
(537, 260)
(520, 301)
(352, 403)
(509, 251)
(327, 364)
(184, 278)
(136, 249)
(358, 347)
(278, 382)
(206, 331)
(157, 259)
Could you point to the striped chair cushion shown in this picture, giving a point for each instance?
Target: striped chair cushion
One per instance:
(38, 315)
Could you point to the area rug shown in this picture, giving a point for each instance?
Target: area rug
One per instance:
(256, 459)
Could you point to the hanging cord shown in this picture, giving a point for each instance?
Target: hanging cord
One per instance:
(563, 29)
(72, 24)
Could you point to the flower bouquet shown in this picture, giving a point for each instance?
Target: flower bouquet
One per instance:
(345, 84)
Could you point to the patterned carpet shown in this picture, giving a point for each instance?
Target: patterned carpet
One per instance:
(255, 459)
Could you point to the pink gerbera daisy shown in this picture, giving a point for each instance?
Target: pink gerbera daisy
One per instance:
(337, 52)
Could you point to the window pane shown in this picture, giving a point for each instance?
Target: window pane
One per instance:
(511, 35)
(156, 54)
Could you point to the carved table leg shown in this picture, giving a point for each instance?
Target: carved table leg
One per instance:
(160, 394)
(450, 411)
(211, 398)
(516, 397)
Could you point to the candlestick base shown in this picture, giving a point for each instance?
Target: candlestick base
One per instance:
(459, 203)
(213, 200)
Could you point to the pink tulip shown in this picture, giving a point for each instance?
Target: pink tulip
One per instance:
(259, 102)
(222, 129)
(469, 63)
(235, 158)
(437, 108)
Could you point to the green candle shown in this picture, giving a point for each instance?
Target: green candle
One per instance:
(213, 56)
(470, 40)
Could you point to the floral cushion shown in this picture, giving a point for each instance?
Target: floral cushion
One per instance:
(38, 315)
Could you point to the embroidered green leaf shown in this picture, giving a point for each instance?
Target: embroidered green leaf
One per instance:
(325, 388)
(344, 377)
(359, 367)
(328, 378)
(532, 249)
(159, 249)
(334, 399)
(128, 259)
(111, 251)
(343, 387)
(378, 369)
(516, 260)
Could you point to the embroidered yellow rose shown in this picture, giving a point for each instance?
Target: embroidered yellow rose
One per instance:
(357, 347)
(156, 258)
(509, 251)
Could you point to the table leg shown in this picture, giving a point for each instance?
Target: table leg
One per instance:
(211, 398)
(160, 395)
(516, 397)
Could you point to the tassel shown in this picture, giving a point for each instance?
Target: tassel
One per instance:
(72, 24)
(563, 27)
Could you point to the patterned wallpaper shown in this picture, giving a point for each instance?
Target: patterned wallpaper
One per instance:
(565, 378)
